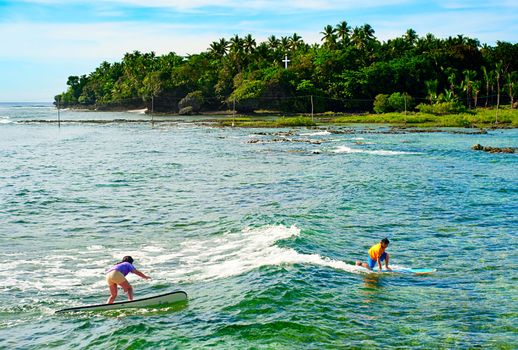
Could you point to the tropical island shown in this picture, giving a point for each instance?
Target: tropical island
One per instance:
(349, 77)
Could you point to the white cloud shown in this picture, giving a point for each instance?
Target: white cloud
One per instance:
(486, 27)
(287, 5)
(44, 55)
(477, 4)
(109, 41)
(100, 40)
(235, 4)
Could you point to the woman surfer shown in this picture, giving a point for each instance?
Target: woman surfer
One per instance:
(116, 275)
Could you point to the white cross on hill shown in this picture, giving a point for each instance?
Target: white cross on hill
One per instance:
(285, 60)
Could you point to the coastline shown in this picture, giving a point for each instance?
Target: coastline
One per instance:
(505, 118)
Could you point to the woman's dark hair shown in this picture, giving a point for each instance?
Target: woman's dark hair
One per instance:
(384, 241)
(127, 259)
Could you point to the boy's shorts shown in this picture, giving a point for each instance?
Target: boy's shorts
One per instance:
(372, 263)
(115, 277)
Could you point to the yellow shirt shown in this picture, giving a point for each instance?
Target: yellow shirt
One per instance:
(376, 251)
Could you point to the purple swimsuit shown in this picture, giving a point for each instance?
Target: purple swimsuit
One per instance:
(124, 268)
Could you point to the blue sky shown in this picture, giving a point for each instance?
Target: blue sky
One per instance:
(42, 42)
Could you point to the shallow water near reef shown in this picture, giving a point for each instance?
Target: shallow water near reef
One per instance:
(261, 227)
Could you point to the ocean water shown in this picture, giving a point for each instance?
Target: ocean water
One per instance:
(261, 228)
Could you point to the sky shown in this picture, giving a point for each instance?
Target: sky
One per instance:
(42, 42)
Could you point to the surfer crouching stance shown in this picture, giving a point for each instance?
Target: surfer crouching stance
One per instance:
(377, 254)
(116, 275)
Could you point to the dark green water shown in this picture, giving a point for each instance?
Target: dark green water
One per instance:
(262, 235)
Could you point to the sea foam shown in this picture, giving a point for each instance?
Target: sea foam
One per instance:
(197, 259)
(345, 149)
(316, 133)
(236, 253)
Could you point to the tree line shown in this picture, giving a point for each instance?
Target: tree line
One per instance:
(349, 70)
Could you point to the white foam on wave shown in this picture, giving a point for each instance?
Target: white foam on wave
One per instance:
(237, 253)
(349, 150)
(151, 248)
(60, 271)
(221, 256)
(5, 120)
(82, 273)
(316, 133)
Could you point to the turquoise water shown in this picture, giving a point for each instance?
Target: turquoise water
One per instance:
(261, 230)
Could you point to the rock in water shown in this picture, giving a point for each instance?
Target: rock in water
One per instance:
(479, 147)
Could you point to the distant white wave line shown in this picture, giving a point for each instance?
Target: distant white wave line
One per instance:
(345, 149)
(214, 257)
(316, 133)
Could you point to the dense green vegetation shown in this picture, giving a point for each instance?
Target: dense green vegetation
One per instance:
(482, 118)
(505, 117)
(268, 122)
(350, 71)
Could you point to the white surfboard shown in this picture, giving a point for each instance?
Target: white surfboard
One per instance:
(157, 300)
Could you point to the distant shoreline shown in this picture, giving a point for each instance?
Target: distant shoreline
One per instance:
(26, 104)
(481, 118)
(240, 123)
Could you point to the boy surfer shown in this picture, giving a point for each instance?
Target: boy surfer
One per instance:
(377, 254)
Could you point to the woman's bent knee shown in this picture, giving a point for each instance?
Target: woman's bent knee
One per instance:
(127, 289)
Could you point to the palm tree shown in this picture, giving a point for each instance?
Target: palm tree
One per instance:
(236, 51)
(357, 37)
(294, 41)
(262, 52)
(214, 48)
(469, 76)
(411, 36)
(343, 31)
(475, 88)
(363, 36)
(510, 81)
(236, 44)
(368, 31)
(219, 48)
(285, 44)
(223, 43)
(273, 42)
(486, 78)
(498, 74)
(451, 79)
(329, 37)
(249, 44)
